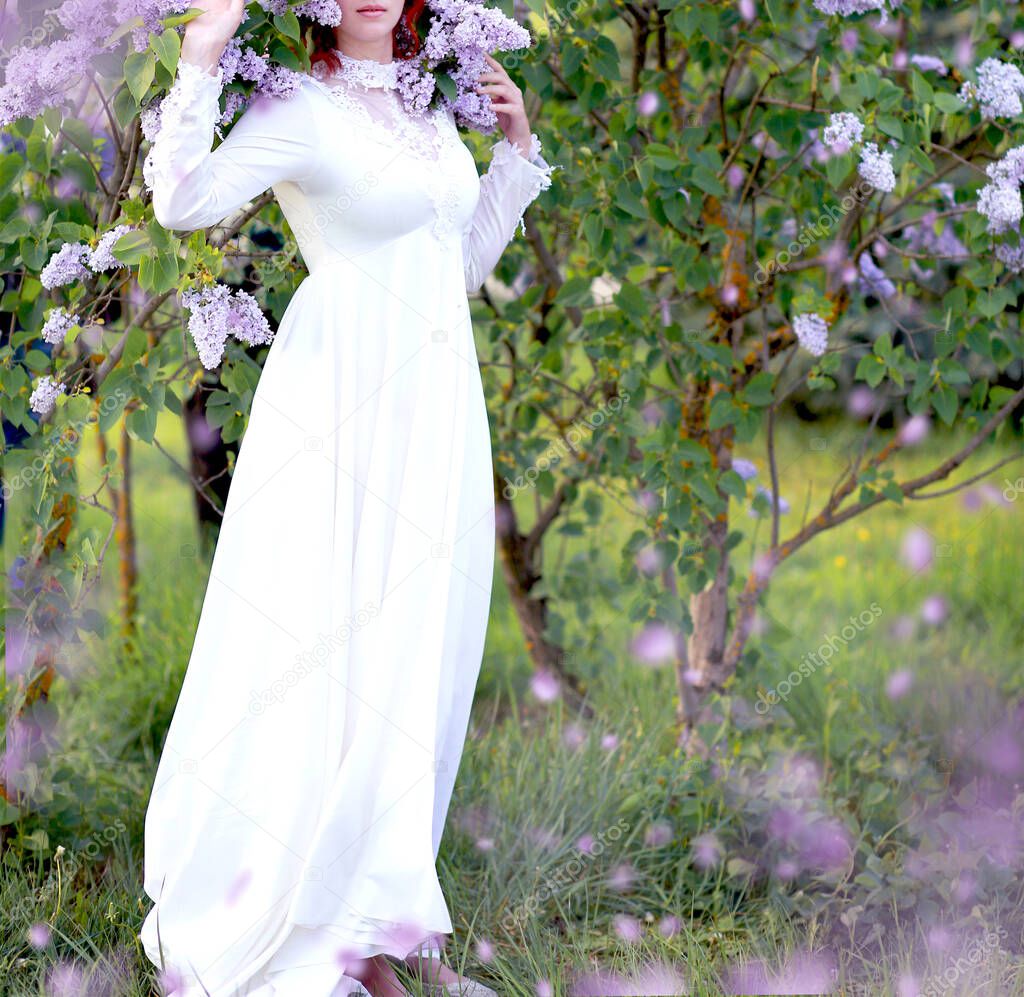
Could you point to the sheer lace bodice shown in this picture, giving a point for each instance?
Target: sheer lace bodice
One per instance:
(351, 166)
(368, 90)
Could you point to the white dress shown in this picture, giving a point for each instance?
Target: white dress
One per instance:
(299, 801)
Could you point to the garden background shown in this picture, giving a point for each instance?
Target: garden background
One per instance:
(749, 719)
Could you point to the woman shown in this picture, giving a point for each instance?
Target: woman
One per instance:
(300, 798)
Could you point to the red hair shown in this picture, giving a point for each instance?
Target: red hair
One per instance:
(405, 38)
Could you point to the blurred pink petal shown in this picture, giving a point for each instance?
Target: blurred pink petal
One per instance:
(899, 683)
(918, 549)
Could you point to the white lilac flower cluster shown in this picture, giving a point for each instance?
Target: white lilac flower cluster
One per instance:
(998, 90)
(58, 324)
(876, 168)
(44, 397)
(843, 132)
(218, 312)
(811, 331)
(76, 260)
(1000, 200)
(847, 8)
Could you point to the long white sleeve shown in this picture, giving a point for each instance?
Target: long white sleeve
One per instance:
(511, 183)
(274, 140)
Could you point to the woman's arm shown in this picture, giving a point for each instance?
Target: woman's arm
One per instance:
(274, 140)
(516, 175)
(512, 182)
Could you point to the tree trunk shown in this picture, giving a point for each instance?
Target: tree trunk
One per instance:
(518, 553)
(703, 669)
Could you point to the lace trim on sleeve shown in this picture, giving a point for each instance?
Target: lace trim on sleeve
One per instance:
(535, 172)
(193, 100)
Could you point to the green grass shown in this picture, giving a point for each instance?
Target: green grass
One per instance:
(528, 792)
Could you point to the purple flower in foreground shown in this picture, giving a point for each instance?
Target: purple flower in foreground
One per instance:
(279, 81)
(39, 935)
(899, 683)
(914, 430)
(326, 12)
(101, 257)
(647, 103)
(918, 549)
(65, 266)
(544, 685)
(934, 610)
(655, 644)
(216, 313)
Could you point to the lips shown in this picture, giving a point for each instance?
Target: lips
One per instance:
(371, 9)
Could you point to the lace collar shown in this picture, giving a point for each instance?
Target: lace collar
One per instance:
(366, 73)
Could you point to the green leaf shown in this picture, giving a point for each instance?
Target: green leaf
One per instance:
(949, 103)
(761, 389)
(288, 25)
(167, 47)
(945, 402)
(132, 247)
(139, 70)
(630, 299)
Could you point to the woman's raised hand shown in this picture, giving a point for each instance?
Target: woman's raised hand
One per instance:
(507, 103)
(208, 34)
(220, 18)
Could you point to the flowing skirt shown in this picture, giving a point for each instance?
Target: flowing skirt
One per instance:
(301, 795)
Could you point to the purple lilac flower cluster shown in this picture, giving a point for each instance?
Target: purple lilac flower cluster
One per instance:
(218, 312)
(325, 11)
(76, 260)
(43, 76)
(461, 34)
(872, 278)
